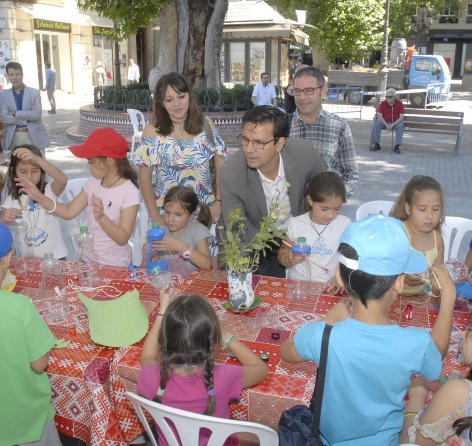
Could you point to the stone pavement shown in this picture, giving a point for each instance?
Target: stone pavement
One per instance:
(381, 174)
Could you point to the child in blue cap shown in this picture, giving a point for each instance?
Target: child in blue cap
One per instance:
(27, 415)
(370, 359)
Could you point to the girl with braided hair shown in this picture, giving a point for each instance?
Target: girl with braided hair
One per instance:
(177, 361)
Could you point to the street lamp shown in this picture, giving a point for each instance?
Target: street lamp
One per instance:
(422, 25)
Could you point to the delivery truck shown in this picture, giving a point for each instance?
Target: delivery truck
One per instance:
(424, 70)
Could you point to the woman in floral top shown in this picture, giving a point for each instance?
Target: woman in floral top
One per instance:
(176, 150)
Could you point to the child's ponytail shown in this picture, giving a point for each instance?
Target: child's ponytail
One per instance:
(204, 214)
(209, 385)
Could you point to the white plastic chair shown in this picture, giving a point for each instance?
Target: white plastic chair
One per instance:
(459, 227)
(374, 207)
(73, 189)
(138, 236)
(188, 425)
(137, 120)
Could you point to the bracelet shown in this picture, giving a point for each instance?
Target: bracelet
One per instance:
(283, 259)
(159, 314)
(228, 342)
(407, 414)
(217, 199)
(53, 209)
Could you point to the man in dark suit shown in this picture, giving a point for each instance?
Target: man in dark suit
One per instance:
(268, 164)
(20, 111)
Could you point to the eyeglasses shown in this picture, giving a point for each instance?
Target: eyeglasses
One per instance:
(308, 91)
(258, 145)
(389, 97)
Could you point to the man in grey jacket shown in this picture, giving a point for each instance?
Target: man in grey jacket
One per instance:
(20, 111)
(269, 164)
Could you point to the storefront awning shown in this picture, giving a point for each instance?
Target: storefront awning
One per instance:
(301, 37)
(68, 14)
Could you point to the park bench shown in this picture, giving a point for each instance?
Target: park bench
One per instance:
(433, 121)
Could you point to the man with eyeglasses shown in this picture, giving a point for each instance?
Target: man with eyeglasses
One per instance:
(330, 134)
(264, 92)
(268, 166)
(390, 116)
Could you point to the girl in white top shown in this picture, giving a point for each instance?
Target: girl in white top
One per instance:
(322, 227)
(44, 233)
(110, 196)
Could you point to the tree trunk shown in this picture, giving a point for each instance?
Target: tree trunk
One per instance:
(183, 32)
(167, 61)
(200, 13)
(213, 43)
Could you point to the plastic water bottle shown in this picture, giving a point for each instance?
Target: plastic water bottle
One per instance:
(86, 258)
(51, 275)
(457, 270)
(23, 252)
(299, 275)
(161, 277)
(154, 234)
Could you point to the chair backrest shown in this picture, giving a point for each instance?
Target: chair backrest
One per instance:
(188, 425)
(138, 121)
(454, 230)
(138, 236)
(73, 189)
(374, 207)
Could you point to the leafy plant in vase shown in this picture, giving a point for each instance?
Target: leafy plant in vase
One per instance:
(240, 258)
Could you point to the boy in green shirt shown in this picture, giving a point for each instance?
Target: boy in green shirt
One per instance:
(26, 412)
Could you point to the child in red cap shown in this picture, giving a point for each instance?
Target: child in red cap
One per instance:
(110, 196)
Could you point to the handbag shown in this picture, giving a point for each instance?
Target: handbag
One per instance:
(294, 424)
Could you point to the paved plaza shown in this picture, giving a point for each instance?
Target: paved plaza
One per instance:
(382, 174)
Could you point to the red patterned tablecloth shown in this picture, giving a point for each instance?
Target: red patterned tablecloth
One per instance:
(89, 381)
(287, 384)
(80, 374)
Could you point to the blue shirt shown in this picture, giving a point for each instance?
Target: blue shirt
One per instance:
(50, 78)
(19, 98)
(368, 373)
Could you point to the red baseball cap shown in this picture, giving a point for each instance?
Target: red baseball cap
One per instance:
(102, 142)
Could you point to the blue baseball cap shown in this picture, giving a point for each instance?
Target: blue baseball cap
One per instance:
(6, 240)
(383, 247)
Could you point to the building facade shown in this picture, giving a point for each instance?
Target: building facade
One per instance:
(56, 31)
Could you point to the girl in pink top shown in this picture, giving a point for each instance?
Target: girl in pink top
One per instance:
(110, 196)
(178, 365)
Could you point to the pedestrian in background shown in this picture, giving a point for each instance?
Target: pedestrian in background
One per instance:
(133, 73)
(50, 86)
(100, 73)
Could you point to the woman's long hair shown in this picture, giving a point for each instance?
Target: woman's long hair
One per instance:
(162, 122)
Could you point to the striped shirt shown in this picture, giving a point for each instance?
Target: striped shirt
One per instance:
(332, 138)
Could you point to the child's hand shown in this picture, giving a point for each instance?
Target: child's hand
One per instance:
(334, 287)
(414, 280)
(418, 390)
(448, 288)
(167, 295)
(171, 244)
(294, 259)
(339, 312)
(97, 207)
(9, 215)
(26, 155)
(28, 188)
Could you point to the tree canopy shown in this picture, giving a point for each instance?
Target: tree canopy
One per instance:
(128, 15)
(353, 28)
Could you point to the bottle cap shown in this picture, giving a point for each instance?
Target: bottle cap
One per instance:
(19, 217)
(48, 255)
(301, 240)
(155, 225)
(83, 229)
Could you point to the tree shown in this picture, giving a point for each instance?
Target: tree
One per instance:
(192, 48)
(353, 28)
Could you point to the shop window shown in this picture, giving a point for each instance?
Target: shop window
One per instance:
(243, 62)
(447, 17)
(468, 18)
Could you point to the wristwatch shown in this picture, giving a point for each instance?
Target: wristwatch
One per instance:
(186, 255)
